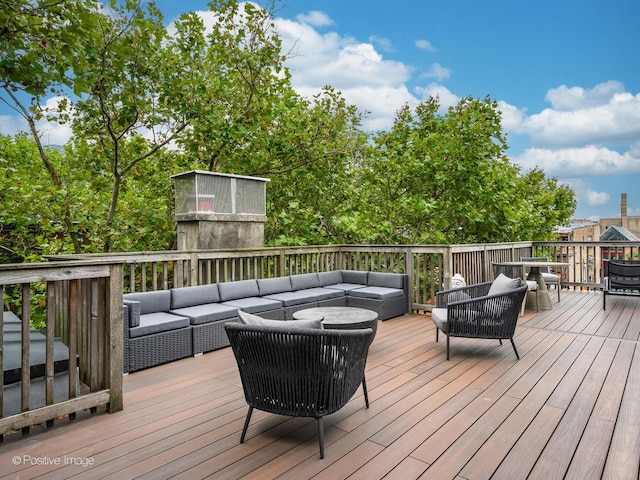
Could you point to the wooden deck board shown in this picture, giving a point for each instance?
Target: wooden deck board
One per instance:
(567, 409)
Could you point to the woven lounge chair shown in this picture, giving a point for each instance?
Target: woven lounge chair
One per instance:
(298, 372)
(484, 310)
(622, 277)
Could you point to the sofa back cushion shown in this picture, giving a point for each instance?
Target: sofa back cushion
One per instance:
(389, 280)
(354, 276)
(270, 286)
(240, 289)
(192, 296)
(151, 302)
(330, 278)
(304, 281)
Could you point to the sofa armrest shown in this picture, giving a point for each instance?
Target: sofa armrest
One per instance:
(133, 317)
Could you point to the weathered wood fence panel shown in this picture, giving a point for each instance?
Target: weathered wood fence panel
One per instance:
(81, 307)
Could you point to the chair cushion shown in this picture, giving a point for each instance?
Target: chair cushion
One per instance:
(378, 293)
(209, 312)
(389, 280)
(503, 284)
(550, 277)
(532, 285)
(330, 278)
(158, 322)
(196, 295)
(240, 289)
(269, 286)
(439, 317)
(250, 319)
(151, 302)
(304, 281)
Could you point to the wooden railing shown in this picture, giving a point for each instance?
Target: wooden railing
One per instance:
(82, 303)
(83, 294)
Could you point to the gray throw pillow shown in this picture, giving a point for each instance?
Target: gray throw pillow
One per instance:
(503, 284)
(251, 319)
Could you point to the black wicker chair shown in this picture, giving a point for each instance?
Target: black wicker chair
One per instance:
(298, 372)
(622, 277)
(471, 312)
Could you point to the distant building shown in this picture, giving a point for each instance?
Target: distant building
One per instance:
(623, 228)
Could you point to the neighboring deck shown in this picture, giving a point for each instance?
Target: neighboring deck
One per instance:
(570, 408)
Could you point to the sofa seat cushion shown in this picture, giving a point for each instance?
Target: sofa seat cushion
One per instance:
(321, 293)
(289, 299)
(254, 304)
(158, 322)
(210, 312)
(377, 293)
(345, 287)
(309, 295)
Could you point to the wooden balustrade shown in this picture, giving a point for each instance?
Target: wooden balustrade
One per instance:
(81, 304)
(81, 297)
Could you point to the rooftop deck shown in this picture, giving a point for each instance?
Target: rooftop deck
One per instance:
(570, 408)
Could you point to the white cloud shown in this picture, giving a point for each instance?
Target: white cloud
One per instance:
(512, 117)
(601, 116)
(316, 19)
(425, 45)
(446, 97)
(50, 131)
(576, 98)
(585, 161)
(384, 43)
(596, 199)
(438, 72)
(356, 69)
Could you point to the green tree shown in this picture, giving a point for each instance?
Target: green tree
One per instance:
(44, 50)
(446, 179)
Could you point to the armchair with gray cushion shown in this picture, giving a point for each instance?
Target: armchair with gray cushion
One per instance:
(485, 310)
(548, 277)
(300, 372)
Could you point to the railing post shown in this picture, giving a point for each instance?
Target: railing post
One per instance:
(409, 270)
(114, 339)
(447, 266)
(194, 267)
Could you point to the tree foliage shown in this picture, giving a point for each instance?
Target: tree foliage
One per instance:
(149, 104)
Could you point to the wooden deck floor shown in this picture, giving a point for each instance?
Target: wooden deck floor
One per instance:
(570, 408)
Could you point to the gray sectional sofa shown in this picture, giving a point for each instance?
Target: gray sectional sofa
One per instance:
(167, 325)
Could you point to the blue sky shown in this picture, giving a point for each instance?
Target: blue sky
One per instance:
(565, 72)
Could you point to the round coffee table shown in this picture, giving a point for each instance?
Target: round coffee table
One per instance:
(340, 317)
